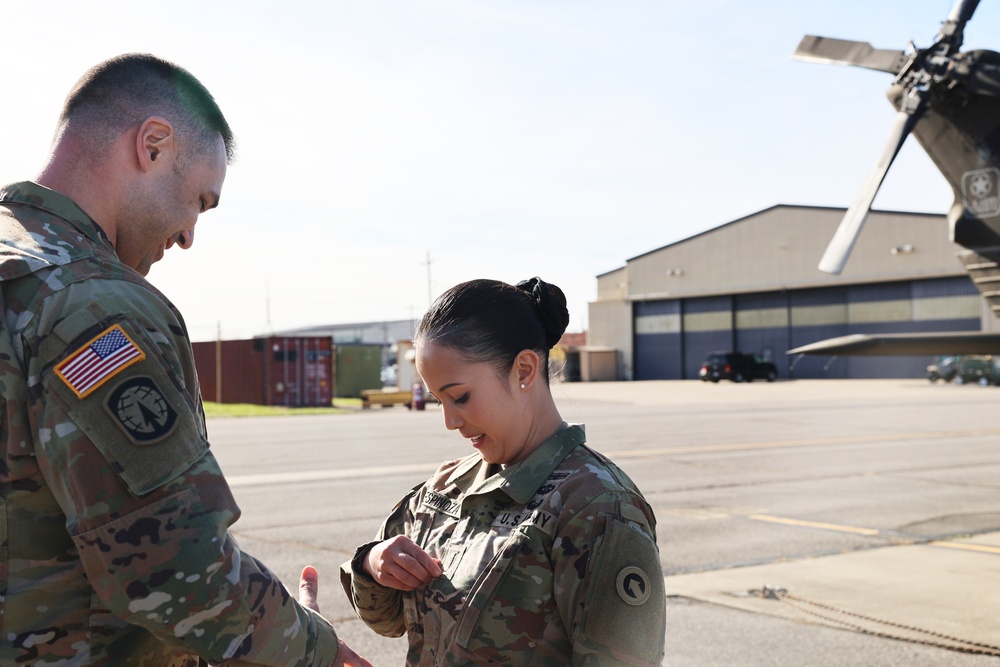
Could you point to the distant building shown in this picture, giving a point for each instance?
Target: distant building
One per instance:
(752, 285)
(385, 333)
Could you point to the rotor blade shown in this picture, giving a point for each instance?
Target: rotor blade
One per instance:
(827, 50)
(953, 29)
(963, 11)
(850, 227)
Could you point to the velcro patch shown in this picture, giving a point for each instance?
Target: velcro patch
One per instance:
(633, 585)
(138, 407)
(626, 603)
(106, 355)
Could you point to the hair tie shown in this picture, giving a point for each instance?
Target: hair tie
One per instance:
(538, 290)
(553, 318)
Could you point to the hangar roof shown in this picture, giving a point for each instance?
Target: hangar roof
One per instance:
(779, 247)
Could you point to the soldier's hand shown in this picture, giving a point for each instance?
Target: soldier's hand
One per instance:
(348, 658)
(399, 563)
(308, 590)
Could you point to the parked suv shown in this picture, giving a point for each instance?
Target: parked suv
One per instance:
(738, 367)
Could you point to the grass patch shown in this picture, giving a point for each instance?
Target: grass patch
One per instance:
(340, 406)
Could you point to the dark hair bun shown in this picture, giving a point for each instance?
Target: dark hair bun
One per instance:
(550, 303)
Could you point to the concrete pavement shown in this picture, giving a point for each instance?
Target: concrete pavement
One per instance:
(949, 588)
(876, 497)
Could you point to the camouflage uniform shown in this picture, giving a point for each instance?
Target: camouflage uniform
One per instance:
(114, 515)
(549, 562)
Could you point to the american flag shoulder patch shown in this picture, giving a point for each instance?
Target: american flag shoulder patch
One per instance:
(106, 355)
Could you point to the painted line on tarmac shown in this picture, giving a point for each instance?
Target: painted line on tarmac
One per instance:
(324, 475)
(779, 444)
(375, 471)
(982, 548)
(814, 524)
(967, 547)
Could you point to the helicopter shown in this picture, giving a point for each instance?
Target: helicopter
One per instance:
(950, 101)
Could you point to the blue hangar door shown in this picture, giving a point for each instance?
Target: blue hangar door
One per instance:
(656, 344)
(762, 327)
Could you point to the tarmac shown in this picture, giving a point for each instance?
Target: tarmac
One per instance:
(742, 485)
(872, 591)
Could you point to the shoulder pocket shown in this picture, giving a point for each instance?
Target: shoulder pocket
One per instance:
(625, 599)
(134, 412)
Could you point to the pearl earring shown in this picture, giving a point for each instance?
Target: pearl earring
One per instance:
(522, 385)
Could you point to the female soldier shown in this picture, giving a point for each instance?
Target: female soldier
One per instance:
(535, 549)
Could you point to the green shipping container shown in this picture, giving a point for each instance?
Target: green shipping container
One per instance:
(358, 367)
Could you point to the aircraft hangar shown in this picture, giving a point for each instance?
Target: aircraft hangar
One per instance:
(751, 285)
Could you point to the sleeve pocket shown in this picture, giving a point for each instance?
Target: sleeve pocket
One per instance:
(625, 599)
(163, 567)
(140, 421)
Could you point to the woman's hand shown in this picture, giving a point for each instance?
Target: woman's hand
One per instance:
(399, 563)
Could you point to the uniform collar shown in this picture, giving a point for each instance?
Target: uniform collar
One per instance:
(521, 481)
(28, 193)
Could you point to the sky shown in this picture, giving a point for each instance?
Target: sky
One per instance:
(497, 139)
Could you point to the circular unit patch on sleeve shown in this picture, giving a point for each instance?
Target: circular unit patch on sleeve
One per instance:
(140, 409)
(633, 585)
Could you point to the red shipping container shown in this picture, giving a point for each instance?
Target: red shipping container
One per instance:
(294, 371)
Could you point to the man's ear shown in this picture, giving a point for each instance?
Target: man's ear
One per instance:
(526, 368)
(154, 143)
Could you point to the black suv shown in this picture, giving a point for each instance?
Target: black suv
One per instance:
(738, 367)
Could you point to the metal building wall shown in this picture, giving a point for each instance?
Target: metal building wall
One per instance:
(779, 247)
(611, 321)
(903, 276)
(673, 337)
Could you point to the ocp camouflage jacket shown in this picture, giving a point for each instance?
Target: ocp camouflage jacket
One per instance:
(114, 515)
(549, 562)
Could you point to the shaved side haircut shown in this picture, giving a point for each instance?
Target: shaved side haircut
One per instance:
(122, 92)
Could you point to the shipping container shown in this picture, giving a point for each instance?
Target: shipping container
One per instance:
(293, 371)
(359, 367)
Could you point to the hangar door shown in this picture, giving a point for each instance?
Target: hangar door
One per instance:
(657, 340)
(762, 327)
(673, 337)
(708, 328)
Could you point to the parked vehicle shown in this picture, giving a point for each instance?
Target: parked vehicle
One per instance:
(738, 367)
(983, 370)
(944, 368)
(977, 369)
